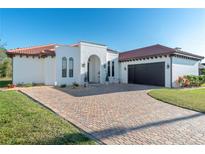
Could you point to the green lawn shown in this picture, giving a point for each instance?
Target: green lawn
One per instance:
(23, 121)
(4, 82)
(193, 99)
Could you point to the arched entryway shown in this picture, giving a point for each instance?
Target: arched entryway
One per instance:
(93, 69)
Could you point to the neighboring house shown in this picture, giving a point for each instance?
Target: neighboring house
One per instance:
(65, 64)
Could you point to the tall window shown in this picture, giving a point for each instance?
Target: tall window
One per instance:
(70, 67)
(113, 68)
(108, 68)
(64, 67)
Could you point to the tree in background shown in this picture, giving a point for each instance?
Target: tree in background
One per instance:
(5, 63)
(6, 68)
(2, 55)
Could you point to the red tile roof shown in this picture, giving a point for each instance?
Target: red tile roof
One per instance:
(151, 51)
(44, 50)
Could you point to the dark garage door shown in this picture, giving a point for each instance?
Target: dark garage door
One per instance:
(150, 74)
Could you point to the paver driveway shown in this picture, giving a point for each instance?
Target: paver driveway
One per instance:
(123, 114)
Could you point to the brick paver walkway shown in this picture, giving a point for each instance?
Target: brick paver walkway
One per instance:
(123, 114)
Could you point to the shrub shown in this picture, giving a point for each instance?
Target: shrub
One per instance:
(191, 80)
(196, 80)
(203, 71)
(63, 85)
(183, 82)
(202, 79)
(11, 85)
(75, 84)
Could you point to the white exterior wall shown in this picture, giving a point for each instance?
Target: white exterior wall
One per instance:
(88, 50)
(28, 70)
(50, 70)
(124, 68)
(181, 67)
(113, 57)
(67, 51)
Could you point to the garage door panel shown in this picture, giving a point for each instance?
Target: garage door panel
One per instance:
(152, 74)
(131, 74)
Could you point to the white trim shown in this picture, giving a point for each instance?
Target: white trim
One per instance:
(184, 55)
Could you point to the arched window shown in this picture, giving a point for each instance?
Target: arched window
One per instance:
(71, 67)
(64, 67)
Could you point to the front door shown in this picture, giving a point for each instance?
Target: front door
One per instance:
(93, 69)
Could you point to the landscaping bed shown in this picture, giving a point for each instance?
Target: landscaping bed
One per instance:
(23, 121)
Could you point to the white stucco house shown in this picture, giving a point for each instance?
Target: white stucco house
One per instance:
(65, 64)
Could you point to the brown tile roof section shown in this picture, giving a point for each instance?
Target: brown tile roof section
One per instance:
(45, 50)
(151, 51)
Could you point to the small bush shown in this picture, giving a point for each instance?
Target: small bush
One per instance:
(196, 80)
(76, 84)
(191, 81)
(203, 71)
(63, 85)
(11, 86)
(183, 82)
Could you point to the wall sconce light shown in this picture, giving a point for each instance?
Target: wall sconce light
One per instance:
(168, 66)
(83, 65)
(125, 68)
